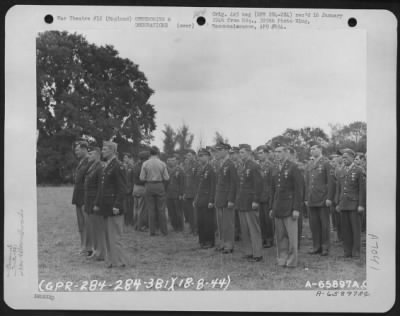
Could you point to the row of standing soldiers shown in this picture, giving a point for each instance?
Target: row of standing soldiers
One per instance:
(260, 197)
(220, 192)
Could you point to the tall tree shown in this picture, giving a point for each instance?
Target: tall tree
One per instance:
(219, 138)
(299, 139)
(169, 139)
(84, 89)
(184, 139)
(353, 135)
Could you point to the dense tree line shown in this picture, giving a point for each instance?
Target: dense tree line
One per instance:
(86, 91)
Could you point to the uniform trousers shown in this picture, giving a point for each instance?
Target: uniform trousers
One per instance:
(80, 215)
(128, 210)
(113, 233)
(219, 235)
(155, 204)
(286, 231)
(266, 224)
(320, 227)
(251, 232)
(206, 227)
(226, 228)
(175, 213)
(99, 240)
(237, 225)
(351, 232)
(190, 214)
(88, 232)
(140, 216)
(336, 222)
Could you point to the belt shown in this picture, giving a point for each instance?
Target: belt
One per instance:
(154, 181)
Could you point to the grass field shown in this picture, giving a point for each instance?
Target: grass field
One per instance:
(175, 256)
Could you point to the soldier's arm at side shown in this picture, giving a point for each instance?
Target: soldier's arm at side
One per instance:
(213, 181)
(362, 190)
(331, 182)
(298, 189)
(232, 183)
(257, 184)
(143, 172)
(121, 186)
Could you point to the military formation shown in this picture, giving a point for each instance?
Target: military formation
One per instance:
(223, 195)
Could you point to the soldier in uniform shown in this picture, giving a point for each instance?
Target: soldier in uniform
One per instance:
(81, 152)
(204, 201)
(155, 175)
(359, 161)
(285, 205)
(267, 232)
(352, 192)
(319, 197)
(190, 188)
(175, 193)
(335, 216)
(96, 224)
(225, 199)
(140, 216)
(109, 203)
(248, 203)
(234, 156)
(128, 201)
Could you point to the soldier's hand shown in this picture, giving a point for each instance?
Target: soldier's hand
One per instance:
(210, 205)
(183, 197)
(328, 203)
(306, 203)
(115, 211)
(254, 205)
(338, 209)
(180, 197)
(360, 209)
(295, 214)
(231, 204)
(271, 214)
(96, 208)
(194, 204)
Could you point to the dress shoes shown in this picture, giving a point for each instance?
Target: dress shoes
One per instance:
(314, 252)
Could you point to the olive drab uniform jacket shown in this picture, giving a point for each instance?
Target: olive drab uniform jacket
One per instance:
(190, 180)
(286, 190)
(226, 184)
(320, 184)
(176, 183)
(351, 188)
(79, 179)
(266, 174)
(91, 186)
(249, 186)
(206, 188)
(112, 188)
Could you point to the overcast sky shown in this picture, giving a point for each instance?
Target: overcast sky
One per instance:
(249, 86)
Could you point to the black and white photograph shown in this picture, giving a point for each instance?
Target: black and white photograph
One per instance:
(201, 157)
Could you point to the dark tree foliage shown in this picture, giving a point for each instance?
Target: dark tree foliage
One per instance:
(86, 90)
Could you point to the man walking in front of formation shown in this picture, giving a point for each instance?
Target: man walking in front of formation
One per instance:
(248, 203)
(95, 224)
(109, 203)
(155, 175)
(204, 201)
(352, 200)
(266, 225)
(319, 196)
(190, 188)
(81, 152)
(175, 194)
(128, 201)
(140, 216)
(286, 199)
(225, 199)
